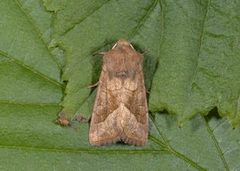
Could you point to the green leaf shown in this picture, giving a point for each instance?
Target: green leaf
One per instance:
(84, 33)
(195, 44)
(203, 143)
(42, 22)
(25, 59)
(31, 90)
(199, 63)
(30, 140)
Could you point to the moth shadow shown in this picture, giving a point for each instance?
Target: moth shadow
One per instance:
(150, 65)
(97, 60)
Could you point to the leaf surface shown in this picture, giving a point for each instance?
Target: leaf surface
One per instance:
(31, 90)
(199, 62)
(192, 47)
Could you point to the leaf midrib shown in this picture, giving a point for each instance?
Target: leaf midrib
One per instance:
(91, 150)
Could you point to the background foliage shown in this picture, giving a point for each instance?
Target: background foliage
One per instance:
(192, 66)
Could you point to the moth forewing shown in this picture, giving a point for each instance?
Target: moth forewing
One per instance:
(120, 111)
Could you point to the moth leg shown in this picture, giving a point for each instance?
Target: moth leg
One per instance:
(102, 53)
(93, 85)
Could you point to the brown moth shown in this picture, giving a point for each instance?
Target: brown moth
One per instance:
(120, 111)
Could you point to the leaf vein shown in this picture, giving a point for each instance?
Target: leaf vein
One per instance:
(30, 20)
(200, 43)
(171, 150)
(81, 20)
(216, 144)
(41, 75)
(142, 21)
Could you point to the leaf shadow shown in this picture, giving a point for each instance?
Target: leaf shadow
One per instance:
(169, 118)
(150, 65)
(212, 114)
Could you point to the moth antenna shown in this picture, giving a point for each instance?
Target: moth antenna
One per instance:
(114, 45)
(132, 46)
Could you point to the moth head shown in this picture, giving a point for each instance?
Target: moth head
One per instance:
(123, 60)
(122, 43)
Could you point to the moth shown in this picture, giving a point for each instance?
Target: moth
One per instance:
(120, 112)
